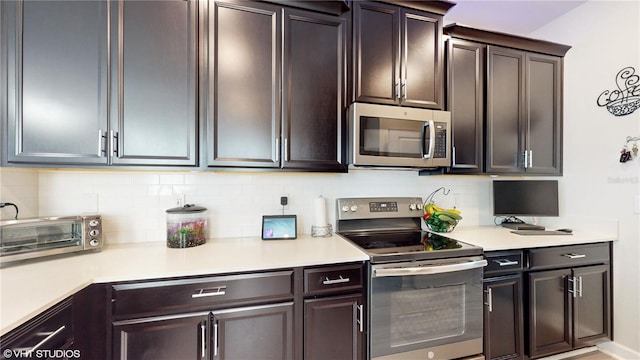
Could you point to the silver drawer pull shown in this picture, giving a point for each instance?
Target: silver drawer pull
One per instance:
(575, 256)
(505, 262)
(217, 291)
(44, 341)
(339, 280)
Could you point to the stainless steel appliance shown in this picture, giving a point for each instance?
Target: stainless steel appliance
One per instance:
(34, 238)
(394, 136)
(425, 289)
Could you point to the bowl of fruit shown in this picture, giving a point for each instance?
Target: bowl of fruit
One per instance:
(440, 219)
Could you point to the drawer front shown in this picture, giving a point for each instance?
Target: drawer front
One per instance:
(166, 296)
(52, 330)
(333, 279)
(499, 262)
(568, 256)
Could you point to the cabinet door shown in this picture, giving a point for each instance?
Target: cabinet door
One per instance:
(56, 71)
(154, 82)
(465, 101)
(261, 332)
(544, 114)
(503, 319)
(314, 84)
(422, 68)
(333, 329)
(244, 65)
(376, 53)
(592, 309)
(550, 309)
(505, 110)
(184, 336)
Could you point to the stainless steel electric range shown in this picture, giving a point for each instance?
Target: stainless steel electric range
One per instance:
(425, 298)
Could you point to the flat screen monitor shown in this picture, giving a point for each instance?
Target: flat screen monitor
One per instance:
(525, 198)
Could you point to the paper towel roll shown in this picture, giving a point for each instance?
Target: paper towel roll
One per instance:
(320, 211)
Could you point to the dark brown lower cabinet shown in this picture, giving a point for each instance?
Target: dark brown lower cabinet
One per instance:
(261, 332)
(568, 309)
(182, 336)
(332, 328)
(503, 328)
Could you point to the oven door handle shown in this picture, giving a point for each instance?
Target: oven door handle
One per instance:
(428, 270)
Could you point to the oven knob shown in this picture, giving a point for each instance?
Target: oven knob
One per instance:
(94, 223)
(94, 232)
(94, 242)
(412, 207)
(345, 208)
(354, 208)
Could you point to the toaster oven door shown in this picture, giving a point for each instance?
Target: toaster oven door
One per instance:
(32, 238)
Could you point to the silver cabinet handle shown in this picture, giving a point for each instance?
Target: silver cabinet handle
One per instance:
(580, 286)
(403, 89)
(203, 338)
(360, 318)
(530, 158)
(339, 280)
(574, 256)
(277, 149)
(505, 262)
(217, 291)
(114, 143)
(489, 302)
(285, 150)
(573, 288)
(398, 95)
(102, 151)
(215, 339)
(526, 159)
(428, 270)
(49, 337)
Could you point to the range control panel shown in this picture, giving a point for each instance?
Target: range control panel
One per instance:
(375, 208)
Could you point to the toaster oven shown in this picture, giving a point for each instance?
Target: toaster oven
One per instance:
(40, 237)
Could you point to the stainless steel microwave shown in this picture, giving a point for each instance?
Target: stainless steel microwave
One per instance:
(399, 137)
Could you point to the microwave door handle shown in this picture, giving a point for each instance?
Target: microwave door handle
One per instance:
(432, 136)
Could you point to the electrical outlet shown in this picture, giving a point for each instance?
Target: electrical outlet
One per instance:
(179, 200)
(283, 198)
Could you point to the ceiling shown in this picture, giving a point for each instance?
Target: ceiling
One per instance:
(518, 17)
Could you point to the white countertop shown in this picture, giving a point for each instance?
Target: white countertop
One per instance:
(492, 238)
(27, 290)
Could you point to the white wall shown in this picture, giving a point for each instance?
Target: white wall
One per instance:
(19, 186)
(605, 38)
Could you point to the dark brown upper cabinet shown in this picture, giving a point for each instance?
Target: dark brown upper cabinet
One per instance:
(465, 101)
(277, 88)
(398, 55)
(78, 94)
(511, 124)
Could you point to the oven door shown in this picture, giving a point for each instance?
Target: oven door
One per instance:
(426, 310)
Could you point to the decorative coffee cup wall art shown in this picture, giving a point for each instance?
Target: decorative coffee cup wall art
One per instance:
(626, 98)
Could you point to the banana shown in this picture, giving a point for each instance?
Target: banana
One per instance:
(430, 208)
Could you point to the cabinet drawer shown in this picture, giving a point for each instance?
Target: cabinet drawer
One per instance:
(504, 261)
(165, 296)
(51, 330)
(332, 279)
(568, 256)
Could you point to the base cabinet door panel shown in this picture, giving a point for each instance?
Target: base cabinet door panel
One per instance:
(260, 332)
(591, 311)
(332, 328)
(183, 336)
(503, 318)
(550, 312)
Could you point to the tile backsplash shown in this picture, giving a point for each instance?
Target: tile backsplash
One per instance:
(133, 203)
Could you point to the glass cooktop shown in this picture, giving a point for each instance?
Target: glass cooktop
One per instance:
(410, 245)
